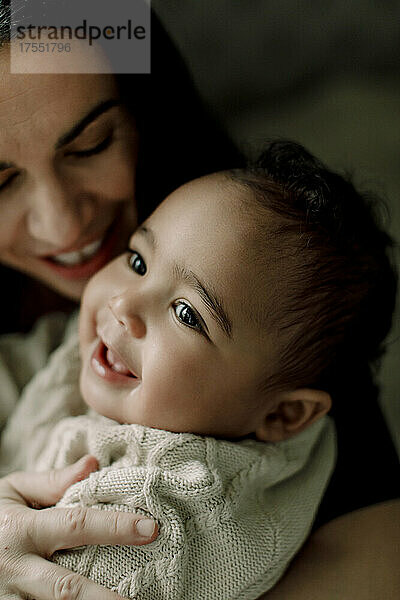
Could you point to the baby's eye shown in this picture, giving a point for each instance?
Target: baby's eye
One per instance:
(137, 263)
(187, 315)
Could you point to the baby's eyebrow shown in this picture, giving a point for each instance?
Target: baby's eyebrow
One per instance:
(148, 234)
(208, 296)
(211, 301)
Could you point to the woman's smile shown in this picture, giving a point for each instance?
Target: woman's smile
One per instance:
(84, 261)
(76, 257)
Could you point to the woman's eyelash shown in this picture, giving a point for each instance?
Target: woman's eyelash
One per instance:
(96, 149)
(8, 181)
(136, 262)
(80, 153)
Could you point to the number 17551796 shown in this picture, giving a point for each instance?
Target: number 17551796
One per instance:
(44, 47)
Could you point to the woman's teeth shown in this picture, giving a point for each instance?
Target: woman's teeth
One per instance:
(78, 256)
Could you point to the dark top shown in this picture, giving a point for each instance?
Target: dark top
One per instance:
(367, 468)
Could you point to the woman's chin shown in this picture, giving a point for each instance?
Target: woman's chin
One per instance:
(72, 290)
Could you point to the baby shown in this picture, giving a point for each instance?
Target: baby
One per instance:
(208, 354)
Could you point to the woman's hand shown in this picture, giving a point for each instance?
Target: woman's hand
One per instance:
(28, 537)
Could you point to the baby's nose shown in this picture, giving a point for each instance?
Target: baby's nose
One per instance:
(127, 316)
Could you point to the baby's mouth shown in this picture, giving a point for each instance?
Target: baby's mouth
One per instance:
(116, 363)
(110, 366)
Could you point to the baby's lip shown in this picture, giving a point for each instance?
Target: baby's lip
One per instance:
(117, 364)
(116, 359)
(103, 369)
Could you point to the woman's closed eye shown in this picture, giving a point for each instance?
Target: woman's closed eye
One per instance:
(6, 182)
(103, 145)
(136, 262)
(188, 316)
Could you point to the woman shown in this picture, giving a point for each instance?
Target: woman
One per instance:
(160, 113)
(68, 177)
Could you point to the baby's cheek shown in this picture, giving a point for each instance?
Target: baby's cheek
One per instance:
(170, 383)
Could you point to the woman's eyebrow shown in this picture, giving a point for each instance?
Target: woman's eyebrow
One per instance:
(98, 110)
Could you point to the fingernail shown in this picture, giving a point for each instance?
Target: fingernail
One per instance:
(145, 527)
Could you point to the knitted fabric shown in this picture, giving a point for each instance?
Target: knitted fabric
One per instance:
(231, 515)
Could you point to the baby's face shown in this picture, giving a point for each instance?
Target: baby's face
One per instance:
(169, 331)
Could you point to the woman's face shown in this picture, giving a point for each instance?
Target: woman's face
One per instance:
(68, 154)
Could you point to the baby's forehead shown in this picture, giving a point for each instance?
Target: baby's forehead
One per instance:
(212, 228)
(221, 200)
(219, 214)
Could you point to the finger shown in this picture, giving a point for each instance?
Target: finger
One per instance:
(61, 528)
(46, 488)
(45, 581)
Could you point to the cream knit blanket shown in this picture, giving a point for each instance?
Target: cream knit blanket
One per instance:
(231, 514)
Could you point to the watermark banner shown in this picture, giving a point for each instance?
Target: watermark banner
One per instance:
(80, 36)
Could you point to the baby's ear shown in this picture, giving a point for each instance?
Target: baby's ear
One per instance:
(291, 412)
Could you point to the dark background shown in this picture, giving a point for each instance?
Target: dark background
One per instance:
(325, 73)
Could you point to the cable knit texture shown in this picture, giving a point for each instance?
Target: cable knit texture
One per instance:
(231, 514)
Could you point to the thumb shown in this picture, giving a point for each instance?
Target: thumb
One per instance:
(47, 487)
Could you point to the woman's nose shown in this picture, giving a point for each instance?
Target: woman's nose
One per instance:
(123, 309)
(56, 215)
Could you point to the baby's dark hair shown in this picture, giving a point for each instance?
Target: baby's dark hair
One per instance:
(333, 297)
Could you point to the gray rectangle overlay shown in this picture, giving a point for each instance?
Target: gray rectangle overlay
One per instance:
(80, 36)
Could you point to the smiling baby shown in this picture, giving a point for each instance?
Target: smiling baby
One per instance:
(208, 352)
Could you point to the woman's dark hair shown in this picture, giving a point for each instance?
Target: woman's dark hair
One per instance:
(179, 141)
(332, 306)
